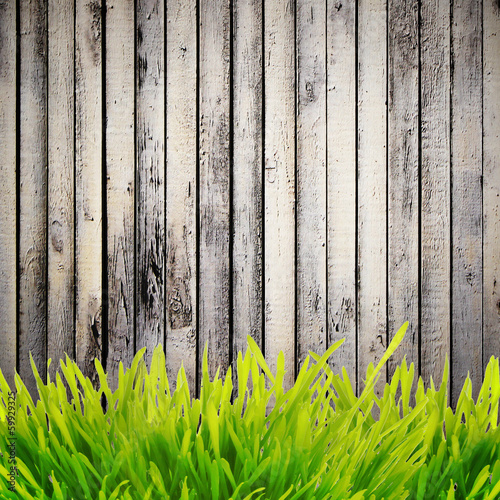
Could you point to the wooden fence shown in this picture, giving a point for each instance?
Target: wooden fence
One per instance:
(191, 171)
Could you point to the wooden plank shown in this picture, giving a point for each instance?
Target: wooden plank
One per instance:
(279, 185)
(8, 197)
(491, 180)
(403, 181)
(33, 191)
(88, 244)
(435, 189)
(247, 175)
(372, 192)
(181, 191)
(341, 211)
(311, 178)
(151, 176)
(466, 195)
(60, 293)
(120, 187)
(214, 120)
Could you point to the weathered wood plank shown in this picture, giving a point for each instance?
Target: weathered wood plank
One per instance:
(150, 241)
(311, 178)
(120, 187)
(88, 244)
(8, 196)
(247, 175)
(491, 186)
(33, 191)
(181, 191)
(435, 186)
(279, 185)
(372, 192)
(214, 120)
(403, 181)
(341, 211)
(61, 135)
(466, 195)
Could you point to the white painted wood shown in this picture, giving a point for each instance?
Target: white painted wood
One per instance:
(33, 191)
(491, 180)
(8, 195)
(247, 175)
(214, 258)
(88, 244)
(181, 191)
(311, 179)
(61, 175)
(372, 192)
(435, 185)
(120, 184)
(403, 181)
(341, 210)
(466, 194)
(150, 207)
(279, 186)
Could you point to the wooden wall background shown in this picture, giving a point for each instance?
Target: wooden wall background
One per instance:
(191, 171)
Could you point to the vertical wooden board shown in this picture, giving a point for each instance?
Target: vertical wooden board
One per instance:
(372, 192)
(33, 191)
(435, 189)
(341, 211)
(88, 159)
(491, 187)
(403, 180)
(466, 196)
(120, 187)
(247, 174)
(60, 293)
(150, 206)
(181, 191)
(8, 195)
(279, 185)
(311, 178)
(214, 259)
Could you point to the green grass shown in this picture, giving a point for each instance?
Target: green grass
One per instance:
(319, 441)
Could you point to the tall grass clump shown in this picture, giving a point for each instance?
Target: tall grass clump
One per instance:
(319, 441)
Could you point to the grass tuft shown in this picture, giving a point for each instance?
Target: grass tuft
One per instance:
(318, 442)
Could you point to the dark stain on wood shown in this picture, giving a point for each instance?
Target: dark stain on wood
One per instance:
(151, 272)
(95, 31)
(40, 29)
(178, 278)
(142, 70)
(310, 92)
(346, 315)
(56, 237)
(179, 304)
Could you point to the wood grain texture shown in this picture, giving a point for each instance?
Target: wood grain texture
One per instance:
(372, 191)
(279, 189)
(33, 191)
(181, 299)
(150, 240)
(311, 178)
(214, 258)
(466, 195)
(435, 189)
(247, 174)
(341, 175)
(61, 194)
(491, 180)
(120, 184)
(8, 195)
(88, 244)
(403, 180)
